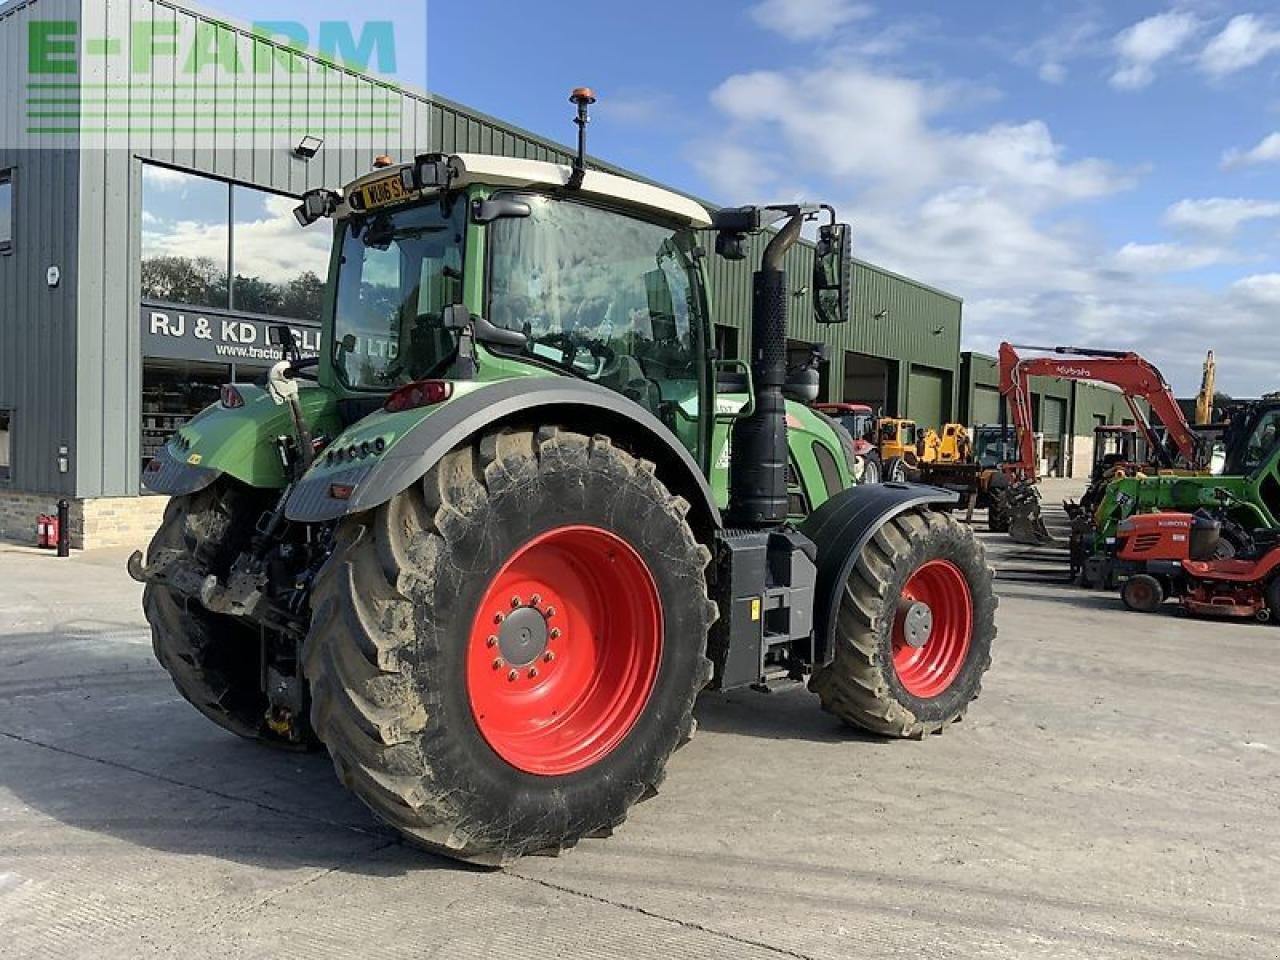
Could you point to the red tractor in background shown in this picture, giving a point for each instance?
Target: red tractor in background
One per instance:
(1178, 555)
(860, 421)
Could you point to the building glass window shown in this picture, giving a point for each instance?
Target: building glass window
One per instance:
(6, 447)
(279, 267)
(6, 211)
(172, 393)
(186, 238)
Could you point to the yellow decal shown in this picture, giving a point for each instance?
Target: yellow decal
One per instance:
(195, 459)
(755, 610)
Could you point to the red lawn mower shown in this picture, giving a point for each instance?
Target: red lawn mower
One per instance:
(1161, 555)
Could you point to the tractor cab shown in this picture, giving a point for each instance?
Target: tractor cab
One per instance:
(1118, 451)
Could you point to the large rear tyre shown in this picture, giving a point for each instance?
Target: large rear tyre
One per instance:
(503, 657)
(895, 470)
(914, 629)
(214, 660)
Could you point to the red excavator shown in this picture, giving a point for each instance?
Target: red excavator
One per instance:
(1137, 379)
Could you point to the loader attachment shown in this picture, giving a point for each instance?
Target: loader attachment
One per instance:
(1026, 521)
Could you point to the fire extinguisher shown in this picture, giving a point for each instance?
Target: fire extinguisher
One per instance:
(47, 532)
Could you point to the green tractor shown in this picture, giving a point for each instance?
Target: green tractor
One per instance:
(1245, 497)
(488, 547)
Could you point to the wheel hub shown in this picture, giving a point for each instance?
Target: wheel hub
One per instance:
(917, 623)
(522, 638)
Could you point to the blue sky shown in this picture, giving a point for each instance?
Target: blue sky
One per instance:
(1097, 173)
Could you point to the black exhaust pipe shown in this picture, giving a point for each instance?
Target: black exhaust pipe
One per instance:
(758, 468)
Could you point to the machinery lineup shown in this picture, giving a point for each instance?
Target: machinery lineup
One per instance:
(488, 548)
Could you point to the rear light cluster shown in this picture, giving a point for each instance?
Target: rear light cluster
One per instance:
(231, 397)
(423, 393)
(357, 451)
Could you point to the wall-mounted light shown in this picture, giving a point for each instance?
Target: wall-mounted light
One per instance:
(308, 147)
(939, 331)
(882, 315)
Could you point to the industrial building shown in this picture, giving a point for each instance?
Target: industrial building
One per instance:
(141, 266)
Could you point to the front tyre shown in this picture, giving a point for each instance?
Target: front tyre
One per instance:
(895, 470)
(914, 629)
(504, 656)
(214, 660)
(871, 469)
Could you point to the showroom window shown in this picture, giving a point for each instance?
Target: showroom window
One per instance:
(206, 243)
(279, 268)
(6, 457)
(6, 211)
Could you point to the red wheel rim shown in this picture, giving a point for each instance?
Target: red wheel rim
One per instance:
(564, 650)
(933, 629)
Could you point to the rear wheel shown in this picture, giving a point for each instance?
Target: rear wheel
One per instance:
(1142, 593)
(212, 659)
(895, 470)
(914, 629)
(503, 657)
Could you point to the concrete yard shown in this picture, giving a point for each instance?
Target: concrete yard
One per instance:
(1114, 793)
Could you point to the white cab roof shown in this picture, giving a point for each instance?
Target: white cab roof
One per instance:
(511, 172)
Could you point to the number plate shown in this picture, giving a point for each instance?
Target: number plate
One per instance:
(383, 193)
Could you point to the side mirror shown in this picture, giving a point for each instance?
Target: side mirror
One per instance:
(316, 205)
(500, 208)
(832, 274)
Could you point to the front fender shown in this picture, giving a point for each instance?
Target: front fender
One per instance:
(841, 528)
(408, 456)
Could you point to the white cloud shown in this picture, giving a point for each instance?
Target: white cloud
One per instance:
(1078, 36)
(1261, 290)
(1266, 151)
(808, 19)
(1054, 73)
(1219, 215)
(1147, 42)
(1246, 40)
(1170, 257)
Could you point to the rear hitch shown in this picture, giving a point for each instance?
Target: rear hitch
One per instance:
(172, 569)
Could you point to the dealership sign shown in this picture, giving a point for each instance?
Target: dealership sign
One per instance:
(181, 333)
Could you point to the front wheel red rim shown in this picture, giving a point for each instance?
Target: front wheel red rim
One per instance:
(933, 629)
(564, 650)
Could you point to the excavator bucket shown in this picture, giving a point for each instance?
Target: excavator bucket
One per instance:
(1026, 520)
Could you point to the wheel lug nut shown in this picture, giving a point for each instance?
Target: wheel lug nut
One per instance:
(491, 642)
(498, 617)
(555, 634)
(515, 602)
(551, 611)
(499, 664)
(533, 673)
(548, 656)
(512, 675)
(535, 600)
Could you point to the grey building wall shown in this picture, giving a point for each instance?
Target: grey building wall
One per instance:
(37, 324)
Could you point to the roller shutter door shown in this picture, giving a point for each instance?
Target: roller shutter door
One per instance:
(1055, 417)
(986, 405)
(927, 397)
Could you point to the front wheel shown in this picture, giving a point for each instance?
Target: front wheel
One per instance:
(504, 656)
(871, 469)
(895, 470)
(914, 629)
(1142, 593)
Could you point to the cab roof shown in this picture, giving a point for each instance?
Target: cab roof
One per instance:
(471, 168)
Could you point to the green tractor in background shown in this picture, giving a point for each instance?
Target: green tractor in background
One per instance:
(1245, 497)
(488, 546)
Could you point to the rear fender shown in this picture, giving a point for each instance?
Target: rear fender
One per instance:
(238, 442)
(573, 404)
(841, 528)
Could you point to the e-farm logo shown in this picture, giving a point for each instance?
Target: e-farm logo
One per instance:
(201, 77)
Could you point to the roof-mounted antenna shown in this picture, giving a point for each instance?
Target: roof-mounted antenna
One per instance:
(583, 97)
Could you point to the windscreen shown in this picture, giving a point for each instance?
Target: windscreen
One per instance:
(399, 271)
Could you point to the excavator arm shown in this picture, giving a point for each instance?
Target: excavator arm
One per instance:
(1136, 378)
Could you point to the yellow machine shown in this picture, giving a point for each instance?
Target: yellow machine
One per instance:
(1208, 385)
(898, 439)
(953, 445)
